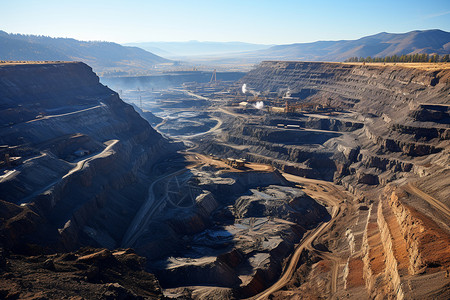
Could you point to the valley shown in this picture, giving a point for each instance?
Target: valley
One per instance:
(331, 123)
(296, 180)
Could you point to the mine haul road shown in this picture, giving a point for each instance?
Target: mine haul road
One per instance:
(189, 93)
(410, 188)
(146, 212)
(332, 198)
(101, 105)
(83, 162)
(80, 165)
(324, 189)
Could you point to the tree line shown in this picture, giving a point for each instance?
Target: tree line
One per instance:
(403, 58)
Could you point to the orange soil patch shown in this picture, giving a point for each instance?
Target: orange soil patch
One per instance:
(323, 266)
(259, 167)
(434, 242)
(399, 244)
(197, 159)
(376, 252)
(355, 274)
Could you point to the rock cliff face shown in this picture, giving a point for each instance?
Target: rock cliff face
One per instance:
(370, 89)
(392, 117)
(80, 154)
(386, 127)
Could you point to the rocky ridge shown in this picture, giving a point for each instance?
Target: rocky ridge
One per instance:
(83, 156)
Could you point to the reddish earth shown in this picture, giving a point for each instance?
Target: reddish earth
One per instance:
(400, 248)
(355, 275)
(324, 266)
(434, 242)
(376, 252)
(199, 159)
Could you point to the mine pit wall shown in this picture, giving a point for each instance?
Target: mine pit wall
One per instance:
(368, 275)
(384, 163)
(409, 227)
(365, 88)
(76, 201)
(423, 133)
(391, 271)
(283, 157)
(318, 123)
(102, 185)
(408, 148)
(426, 246)
(44, 81)
(112, 184)
(379, 91)
(391, 92)
(427, 243)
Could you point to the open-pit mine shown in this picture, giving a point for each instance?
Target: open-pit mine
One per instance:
(296, 180)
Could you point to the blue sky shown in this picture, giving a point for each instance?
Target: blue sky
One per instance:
(266, 22)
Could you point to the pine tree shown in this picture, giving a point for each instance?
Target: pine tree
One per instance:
(404, 58)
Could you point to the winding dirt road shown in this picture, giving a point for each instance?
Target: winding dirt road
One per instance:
(101, 105)
(146, 212)
(80, 165)
(410, 188)
(322, 191)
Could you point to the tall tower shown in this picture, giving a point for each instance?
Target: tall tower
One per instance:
(213, 77)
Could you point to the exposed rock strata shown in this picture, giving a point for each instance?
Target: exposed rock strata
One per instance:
(370, 89)
(228, 240)
(392, 130)
(85, 197)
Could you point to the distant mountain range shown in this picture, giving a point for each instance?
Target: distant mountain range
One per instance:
(108, 58)
(378, 45)
(101, 56)
(195, 48)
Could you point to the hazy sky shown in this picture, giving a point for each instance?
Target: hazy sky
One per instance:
(269, 22)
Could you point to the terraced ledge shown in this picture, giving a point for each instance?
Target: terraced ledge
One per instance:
(392, 276)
